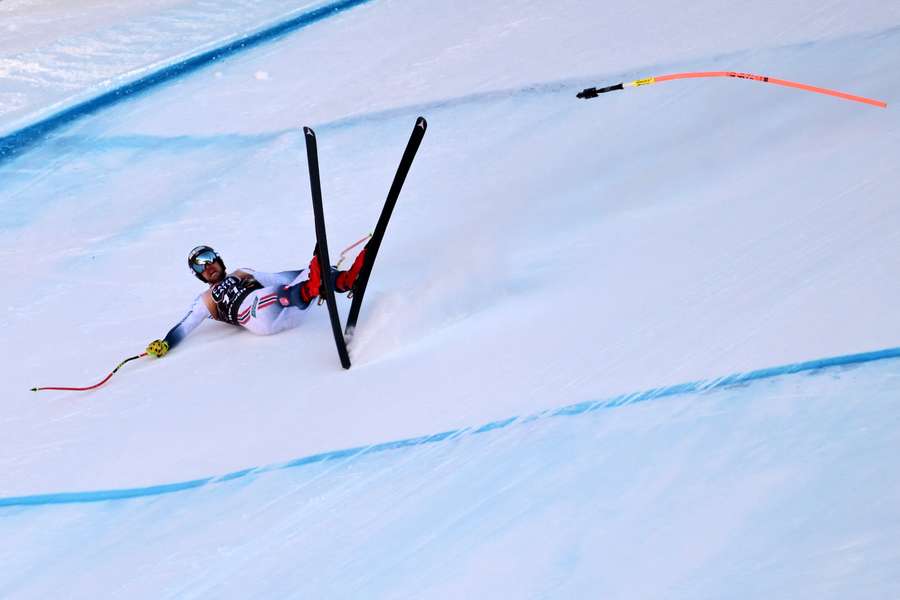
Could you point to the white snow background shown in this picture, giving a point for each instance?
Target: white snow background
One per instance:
(545, 251)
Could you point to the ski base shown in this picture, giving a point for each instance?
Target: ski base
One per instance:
(362, 281)
(315, 186)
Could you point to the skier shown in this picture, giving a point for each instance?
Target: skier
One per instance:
(264, 303)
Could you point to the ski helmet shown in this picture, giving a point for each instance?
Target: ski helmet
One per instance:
(200, 257)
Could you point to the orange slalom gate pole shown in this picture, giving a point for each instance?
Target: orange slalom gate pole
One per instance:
(96, 385)
(593, 92)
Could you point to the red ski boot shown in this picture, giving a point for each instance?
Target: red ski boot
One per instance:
(303, 293)
(345, 280)
(309, 289)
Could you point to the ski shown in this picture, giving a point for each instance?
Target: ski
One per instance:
(315, 187)
(359, 288)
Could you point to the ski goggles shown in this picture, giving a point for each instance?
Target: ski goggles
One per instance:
(199, 262)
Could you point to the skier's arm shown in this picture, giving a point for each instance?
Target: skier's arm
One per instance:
(273, 279)
(199, 312)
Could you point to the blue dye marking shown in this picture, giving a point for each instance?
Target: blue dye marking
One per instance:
(15, 143)
(575, 409)
(495, 425)
(571, 410)
(440, 437)
(81, 497)
(728, 381)
(236, 475)
(317, 458)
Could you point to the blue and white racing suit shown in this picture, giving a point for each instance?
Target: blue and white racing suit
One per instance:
(246, 298)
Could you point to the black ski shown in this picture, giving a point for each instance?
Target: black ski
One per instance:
(359, 288)
(315, 187)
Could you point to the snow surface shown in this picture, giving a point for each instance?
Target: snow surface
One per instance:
(726, 494)
(545, 251)
(55, 53)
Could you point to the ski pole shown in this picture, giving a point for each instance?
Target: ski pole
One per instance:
(593, 92)
(84, 389)
(351, 247)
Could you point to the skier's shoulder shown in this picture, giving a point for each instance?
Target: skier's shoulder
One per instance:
(230, 279)
(242, 273)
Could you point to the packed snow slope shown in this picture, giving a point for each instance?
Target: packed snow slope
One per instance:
(776, 490)
(57, 53)
(545, 251)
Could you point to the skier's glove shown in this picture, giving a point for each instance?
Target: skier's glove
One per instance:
(158, 348)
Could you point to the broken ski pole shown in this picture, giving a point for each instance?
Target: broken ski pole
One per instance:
(96, 385)
(593, 92)
(344, 252)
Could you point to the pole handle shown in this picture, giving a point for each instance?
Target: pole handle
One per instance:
(593, 92)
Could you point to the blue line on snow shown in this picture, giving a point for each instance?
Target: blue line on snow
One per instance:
(13, 144)
(571, 410)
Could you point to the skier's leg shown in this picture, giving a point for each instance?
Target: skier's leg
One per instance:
(261, 313)
(301, 294)
(285, 318)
